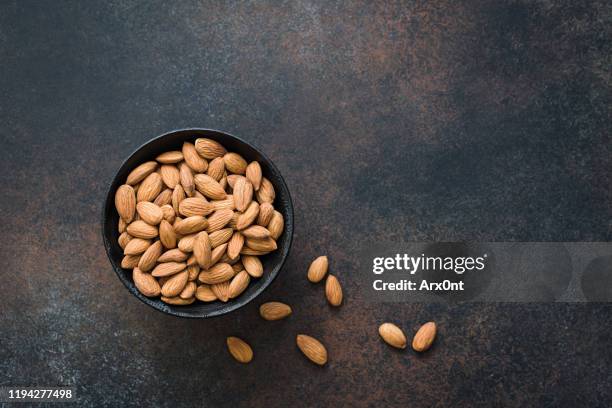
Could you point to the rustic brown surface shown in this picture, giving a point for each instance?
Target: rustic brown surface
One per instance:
(441, 120)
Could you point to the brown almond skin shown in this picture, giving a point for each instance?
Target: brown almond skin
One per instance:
(191, 225)
(209, 149)
(170, 175)
(216, 168)
(333, 291)
(235, 245)
(193, 159)
(209, 187)
(141, 172)
(141, 229)
(189, 291)
(253, 174)
(150, 212)
(240, 350)
(276, 225)
(130, 261)
(175, 285)
(125, 202)
(221, 290)
(205, 293)
(150, 256)
(170, 157)
(256, 232)
(235, 163)
(238, 284)
(424, 337)
(173, 255)
(266, 211)
(312, 348)
(149, 188)
(168, 268)
(220, 237)
(178, 301)
(195, 206)
(274, 311)
(145, 283)
(218, 273)
(136, 246)
(167, 236)
(243, 194)
(318, 269)
(252, 265)
(392, 335)
(202, 250)
(266, 193)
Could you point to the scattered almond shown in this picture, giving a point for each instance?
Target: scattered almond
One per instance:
(333, 291)
(274, 310)
(312, 349)
(239, 349)
(318, 269)
(392, 335)
(424, 337)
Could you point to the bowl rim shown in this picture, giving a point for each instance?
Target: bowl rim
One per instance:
(172, 310)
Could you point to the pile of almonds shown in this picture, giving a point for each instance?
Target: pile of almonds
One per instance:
(194, 222)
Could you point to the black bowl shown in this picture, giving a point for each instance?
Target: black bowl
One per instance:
(173, 140)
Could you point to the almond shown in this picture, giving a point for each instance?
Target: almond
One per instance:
(193, 159)
(232, 178)
(170, 157)
(312, 349)
(239, 349)
(195, 206)
(141, 172)
(216, 168)
(167, 236)
(238, 284)
(266, 193)
(173, 255)
(186, 179)
(163, 198)
(205, 293)
(220, 237)
(226, 204)
(220, 272)
(252, 265)
(221, 291)
(150, 187)
(149, 212)
(168, 268)
(177, 301)
(149, 257)
(265, 244)
(424, 337)
(168, 213)
(218, 220)
(170, 175)
(217, 253)
(189, 291)
(209, 149)
(253, 174)
(318, 269)
(141, 229)
(276, 225)
(122, 225)
(333, 291)
(190, 225)
(274, 310)
(235, 245)
(175, 285)
(209, 187)
(194, 271)
(186, 243)
(145, 283)
(130, 261)
(234, 163)
(266, 210)
(246, 218)
(243, 194)
(256, 232)
(124, 238)
(125, 202)
(202, 250)
(248, 251)
(178, 195)
(136, 246)
(392, 335)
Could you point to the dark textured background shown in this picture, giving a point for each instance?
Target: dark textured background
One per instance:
(439, 120)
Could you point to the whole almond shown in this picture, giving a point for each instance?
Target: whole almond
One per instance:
(239, 349)
(238, 284)
(333, 290)
(265, 244)
(205, 293)
(218, 220)
(218, 273)
(186, 243)
(274, 310)
(392, 335)
(216, 168)
(177, 301)
(249, 251)
(167, 236)
(145, 283)
(193, 159)
(253, 174)
(149, 257)
(209, 149)
(234, 163)
(276, 225)
(246, 218)
(424, 337)
(141, 172)
(141, 229)
(209, 187)
(186, 179)
(256, 232)
(178, 195)
(122, 225)
(189, 291)
(195, 206)
(125, 202)
(318, 269)
(312, 349)
(221, 291)
(124, 238)
(194, 271)
(175, 285)
(136, 246)
(130, 261)
(150, 187)
(149, 212)
(168, 213)
(220, 237)
(168, 268)
(190, 225)
(173, 255)
(266, 193)
(170, 175)
(163, 198)
(170, 157)
(217, 253)
(235, 245)
(226, 204)
(252, 265)
(243, 194)
(266, 211)
(202, 250)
